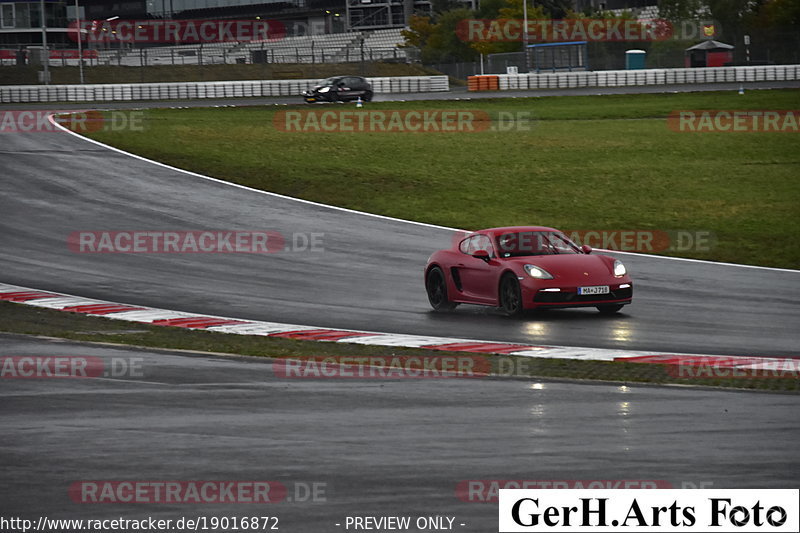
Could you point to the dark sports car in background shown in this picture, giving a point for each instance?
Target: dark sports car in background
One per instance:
(519, 268)
(340, 89)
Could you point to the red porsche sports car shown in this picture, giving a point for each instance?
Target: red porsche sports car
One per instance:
(519, 268)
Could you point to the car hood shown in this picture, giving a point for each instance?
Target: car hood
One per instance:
(573, 268)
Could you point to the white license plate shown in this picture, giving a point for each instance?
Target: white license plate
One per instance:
(599, 289)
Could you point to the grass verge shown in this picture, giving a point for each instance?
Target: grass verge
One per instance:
(23, 319)
(582, 163)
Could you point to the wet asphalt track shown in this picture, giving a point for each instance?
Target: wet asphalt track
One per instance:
(454, 93)
(381, 447)
(369, 275)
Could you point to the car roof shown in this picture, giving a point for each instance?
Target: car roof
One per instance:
(515, 229)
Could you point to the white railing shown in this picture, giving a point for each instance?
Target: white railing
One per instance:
(622, 78)
(200, 90)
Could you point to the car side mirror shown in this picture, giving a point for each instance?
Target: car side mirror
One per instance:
(586, 249)
(481, 254)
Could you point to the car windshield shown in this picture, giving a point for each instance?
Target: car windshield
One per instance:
(329, 81)
(525, 243)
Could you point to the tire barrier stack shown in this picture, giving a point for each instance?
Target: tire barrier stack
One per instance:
(483, 83)
(623, 78)
(199, 90)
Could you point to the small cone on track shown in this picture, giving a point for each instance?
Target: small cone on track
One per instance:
(741, 89)
(359, 103)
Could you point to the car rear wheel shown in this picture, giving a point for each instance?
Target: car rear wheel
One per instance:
(609, 309)
(367, 96)
(436, 286)
(510, 295)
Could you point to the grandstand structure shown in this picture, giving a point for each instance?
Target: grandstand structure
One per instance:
(312, 31)
(641, 13)
(349, 47)
(316, 31)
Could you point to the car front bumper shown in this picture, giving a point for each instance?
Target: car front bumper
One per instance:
(312, 97)
(536, 297)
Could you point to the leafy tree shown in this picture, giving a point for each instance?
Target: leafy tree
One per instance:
(776, 14)
(557, 9)
(490, 8)
(678, 10)
(418, 32)
(730, 14)
(439, 40)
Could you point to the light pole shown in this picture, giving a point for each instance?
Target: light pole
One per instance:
(525, 33)
(45, 53)
(525, 26)
(80, 39)
(110, 39)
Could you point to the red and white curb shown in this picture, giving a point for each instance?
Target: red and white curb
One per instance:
(165, 317)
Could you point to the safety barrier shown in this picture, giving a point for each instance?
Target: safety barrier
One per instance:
(200, 90)
(483, 83)
(622, 78)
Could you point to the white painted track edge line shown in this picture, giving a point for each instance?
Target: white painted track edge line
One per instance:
(706, 262)
(363, 213)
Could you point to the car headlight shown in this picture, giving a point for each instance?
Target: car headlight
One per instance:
(619, 268)
(324, 89)
(538, 273)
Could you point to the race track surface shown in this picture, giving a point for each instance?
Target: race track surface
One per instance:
(455, 92)
(375, 447)
(380, 447)
(368, 277)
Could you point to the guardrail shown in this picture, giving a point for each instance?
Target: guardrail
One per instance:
(200, 90)
(622, 78)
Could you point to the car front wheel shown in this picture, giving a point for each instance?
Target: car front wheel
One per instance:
(436, 286)
(510, 295)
